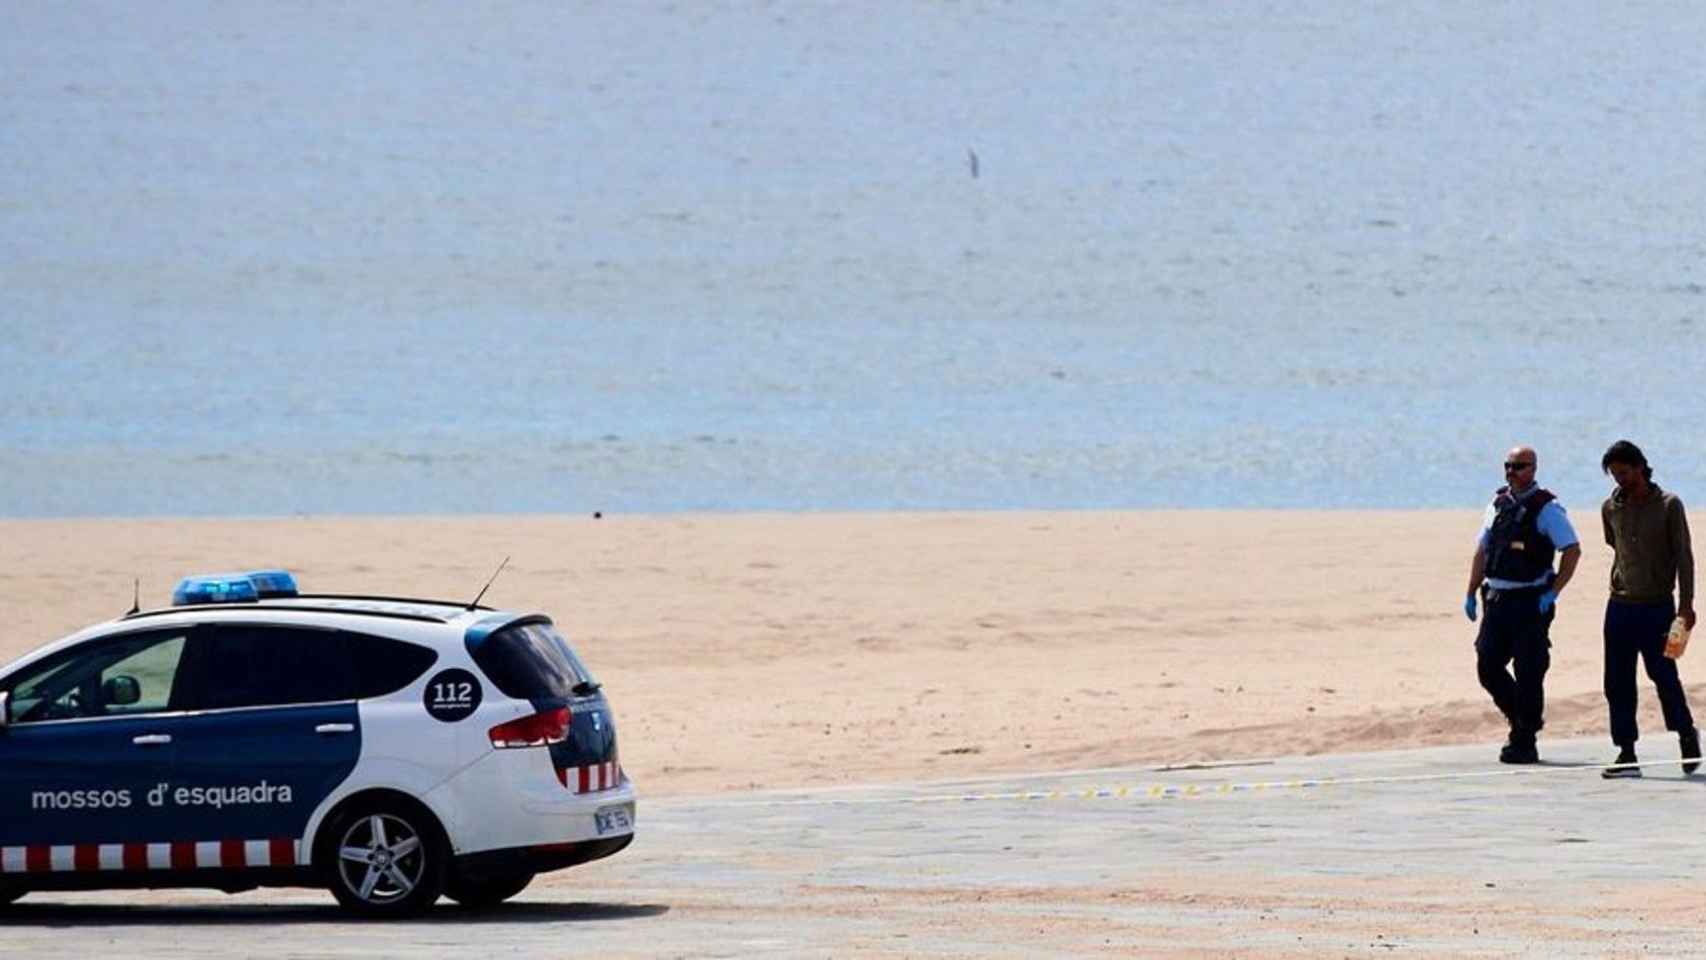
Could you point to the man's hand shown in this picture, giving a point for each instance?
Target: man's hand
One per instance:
(1687, 615)
(1469, 607)
(1548, 600)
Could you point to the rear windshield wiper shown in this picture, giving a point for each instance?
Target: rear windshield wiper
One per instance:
(586, 688)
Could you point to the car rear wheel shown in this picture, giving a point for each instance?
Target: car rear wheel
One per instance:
(386, 859)
(486, 891)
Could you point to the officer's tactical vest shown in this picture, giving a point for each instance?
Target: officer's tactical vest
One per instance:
(1516, 549)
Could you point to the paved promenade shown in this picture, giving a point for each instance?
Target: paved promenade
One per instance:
(1434, 852)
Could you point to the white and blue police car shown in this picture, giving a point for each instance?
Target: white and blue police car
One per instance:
(252, 735)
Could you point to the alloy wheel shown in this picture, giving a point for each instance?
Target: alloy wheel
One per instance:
(381, 858)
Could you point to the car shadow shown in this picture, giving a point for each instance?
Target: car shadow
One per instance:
(24, 913)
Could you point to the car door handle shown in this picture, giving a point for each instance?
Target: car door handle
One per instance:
(335, 728)
(151, 739)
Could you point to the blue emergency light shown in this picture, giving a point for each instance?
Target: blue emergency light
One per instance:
(233, 587)
(272, 583)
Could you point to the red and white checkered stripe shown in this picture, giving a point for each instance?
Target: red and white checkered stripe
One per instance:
(183, 855)
(591, 778)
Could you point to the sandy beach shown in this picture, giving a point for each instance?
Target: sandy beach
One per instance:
(748, 651)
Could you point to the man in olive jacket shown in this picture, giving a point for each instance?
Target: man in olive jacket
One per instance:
(1647, 529)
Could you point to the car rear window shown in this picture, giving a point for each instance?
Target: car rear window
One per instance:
(255, 665)
(383, 665)
(252, 665)
(531, 661)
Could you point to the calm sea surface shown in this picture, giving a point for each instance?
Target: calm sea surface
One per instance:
(389, 257)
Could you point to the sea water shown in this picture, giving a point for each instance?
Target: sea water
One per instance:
(315, 257)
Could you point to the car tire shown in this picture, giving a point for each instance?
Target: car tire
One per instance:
(479, 892)
(10, 894)
(385, 858)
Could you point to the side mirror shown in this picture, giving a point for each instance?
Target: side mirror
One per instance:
(121, 691)
(5, 709)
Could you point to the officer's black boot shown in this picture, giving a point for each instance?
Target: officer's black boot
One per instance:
(1621, 766)
(1520, 748)
(1690, 740)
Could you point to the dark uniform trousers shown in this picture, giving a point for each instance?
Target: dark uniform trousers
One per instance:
(1639, 630)
(1514, 631)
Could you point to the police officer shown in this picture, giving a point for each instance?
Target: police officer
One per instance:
(1524, 527)
(1647, 530)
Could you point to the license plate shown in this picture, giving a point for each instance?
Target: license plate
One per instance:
(611, 819)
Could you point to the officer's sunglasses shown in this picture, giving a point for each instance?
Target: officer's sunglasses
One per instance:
(1513, 466)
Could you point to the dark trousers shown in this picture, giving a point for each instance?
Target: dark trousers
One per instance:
(1638, 630)
(1515, 632)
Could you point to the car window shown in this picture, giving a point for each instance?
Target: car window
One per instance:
(117, 676)
(383, 665)
(531, 662)
(241, 665)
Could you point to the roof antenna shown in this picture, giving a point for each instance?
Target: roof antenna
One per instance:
(136, 604)
(476, 601)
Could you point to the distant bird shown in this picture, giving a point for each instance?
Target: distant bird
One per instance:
(971, 158)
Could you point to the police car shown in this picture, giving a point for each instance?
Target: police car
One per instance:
(252, 735)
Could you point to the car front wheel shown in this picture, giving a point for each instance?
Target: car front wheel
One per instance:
(386, 860)
(486, 891)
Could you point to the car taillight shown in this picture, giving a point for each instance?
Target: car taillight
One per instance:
(538, 730)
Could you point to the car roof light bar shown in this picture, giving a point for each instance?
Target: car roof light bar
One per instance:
(233, 587)
(272, 584)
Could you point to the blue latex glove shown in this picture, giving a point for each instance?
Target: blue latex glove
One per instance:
(1548, 600)
(1469, 607)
